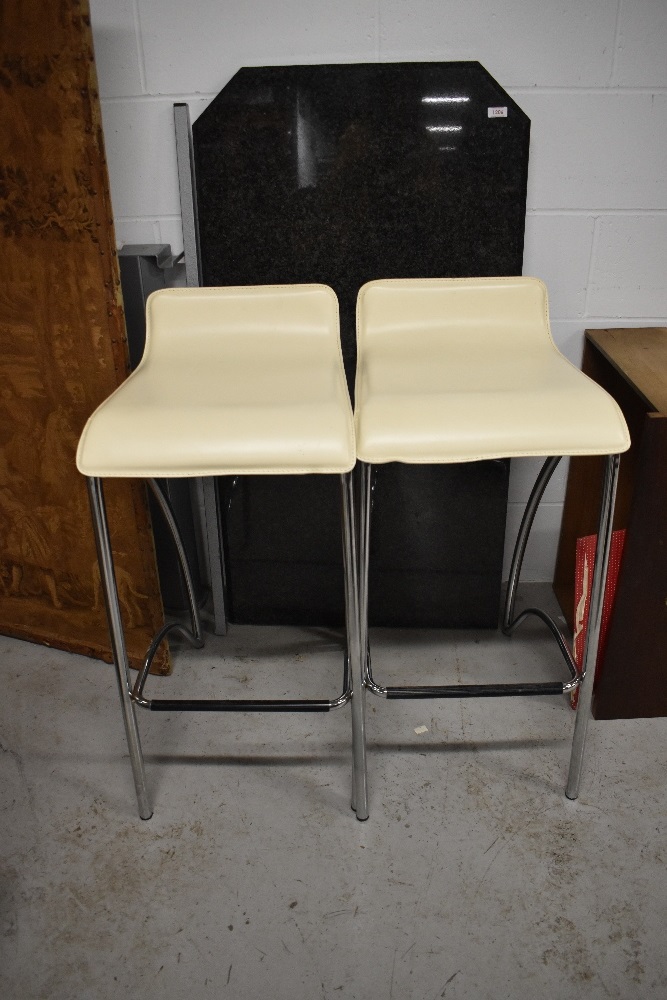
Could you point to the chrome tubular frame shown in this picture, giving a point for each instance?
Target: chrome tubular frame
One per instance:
(582, 679)
(193, 636)
(353, 622)
(131, 696)
(534, 500)
(457, 690)
(255, 704)
(605, 531)
(118, 647)
(365, 504)
(509, 622)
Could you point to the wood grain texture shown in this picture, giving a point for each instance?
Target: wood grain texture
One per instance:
(584, 482)
(640, 357)
(62, 343)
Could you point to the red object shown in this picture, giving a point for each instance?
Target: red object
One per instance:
(583, 580)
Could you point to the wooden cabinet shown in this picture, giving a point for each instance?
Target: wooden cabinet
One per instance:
(631, 364)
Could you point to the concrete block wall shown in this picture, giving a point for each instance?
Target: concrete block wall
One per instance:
(591, 76)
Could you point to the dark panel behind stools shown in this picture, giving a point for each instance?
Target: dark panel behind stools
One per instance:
(341, 174)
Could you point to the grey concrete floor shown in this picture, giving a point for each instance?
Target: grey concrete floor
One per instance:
(474, 876)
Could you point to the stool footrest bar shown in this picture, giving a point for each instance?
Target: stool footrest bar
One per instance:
(558, 635)
(236, 705)
(476, 690)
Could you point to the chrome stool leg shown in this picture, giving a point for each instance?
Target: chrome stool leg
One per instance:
(118, 647)
(605, 529)
(355, 651)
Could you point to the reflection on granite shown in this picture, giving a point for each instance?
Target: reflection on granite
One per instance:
(342, 174)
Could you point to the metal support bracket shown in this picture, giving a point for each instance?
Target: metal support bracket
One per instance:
(205, 492)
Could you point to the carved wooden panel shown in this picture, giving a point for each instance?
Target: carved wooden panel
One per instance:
(62, 342)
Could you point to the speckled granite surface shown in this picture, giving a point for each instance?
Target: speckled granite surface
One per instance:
(340, 174)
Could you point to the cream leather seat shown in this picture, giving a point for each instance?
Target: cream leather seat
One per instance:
(240, 380)
(465, 369)
(233, 381)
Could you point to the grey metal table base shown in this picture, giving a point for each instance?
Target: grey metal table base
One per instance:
(204, 490)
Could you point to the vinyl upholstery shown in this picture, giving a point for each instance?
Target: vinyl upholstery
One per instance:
(464, 369)
(232, 381)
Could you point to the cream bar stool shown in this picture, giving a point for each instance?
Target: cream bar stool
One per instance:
(462, 370)
(233, 381)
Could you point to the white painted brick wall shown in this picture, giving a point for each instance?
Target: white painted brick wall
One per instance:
(222, 35)
(592, 76)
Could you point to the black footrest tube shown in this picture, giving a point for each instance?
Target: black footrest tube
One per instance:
(476, 690)
(236, 705)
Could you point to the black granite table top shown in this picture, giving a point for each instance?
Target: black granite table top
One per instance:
(341, 174)
(345, 173)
